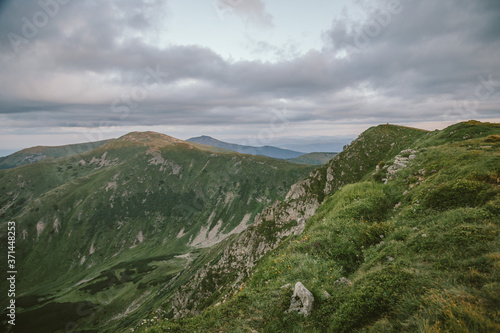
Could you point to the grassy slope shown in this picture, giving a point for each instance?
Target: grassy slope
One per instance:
(313, 158)
(420, 253)
(219, 277)
(104, 203)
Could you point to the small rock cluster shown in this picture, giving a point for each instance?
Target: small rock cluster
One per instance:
(400, 162)
(343, 281)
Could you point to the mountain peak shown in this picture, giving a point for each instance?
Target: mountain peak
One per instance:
(149, 137)
(204, 139)
(268, 151)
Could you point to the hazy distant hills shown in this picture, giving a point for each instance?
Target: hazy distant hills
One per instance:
(268, 151)
(38, 153)
(316, 158)
(313, 144)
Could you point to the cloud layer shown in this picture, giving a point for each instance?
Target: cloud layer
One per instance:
(93, 63)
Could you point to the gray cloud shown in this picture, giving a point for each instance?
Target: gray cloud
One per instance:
(84, 67)
(251, 10)
(429, 48)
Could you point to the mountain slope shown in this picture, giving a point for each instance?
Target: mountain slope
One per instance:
(269, 151)
(110, 228)
(34, 154)
(410, 245)
(221, 276)
(313, 158)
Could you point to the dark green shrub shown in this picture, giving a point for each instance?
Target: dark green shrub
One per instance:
(466, 235)
(372, 298)
(460, 193)
(372, 234)
(372, 208)
(492, 138)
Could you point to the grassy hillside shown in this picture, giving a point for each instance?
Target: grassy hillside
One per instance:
(115, 230)
(219, 278)
(313, 158)
(412, 246)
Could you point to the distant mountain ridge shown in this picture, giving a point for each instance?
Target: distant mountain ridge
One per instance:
(38, 153)
(268, 151)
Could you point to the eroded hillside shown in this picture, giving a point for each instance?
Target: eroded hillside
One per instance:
(218, 279)
(107, 229)
(406, 241)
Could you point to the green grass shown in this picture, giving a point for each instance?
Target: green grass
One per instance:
(421, 252)
(313, 158)
(111, 198)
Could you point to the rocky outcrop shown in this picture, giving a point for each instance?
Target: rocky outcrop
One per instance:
(302, 300)
(275, 223)
(401, 161)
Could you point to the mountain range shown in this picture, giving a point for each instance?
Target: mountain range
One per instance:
(148, 233)
(125, 218)
(269, 151)
(315, 158)
(38, 153)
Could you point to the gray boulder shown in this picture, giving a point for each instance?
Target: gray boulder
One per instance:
(302, 300)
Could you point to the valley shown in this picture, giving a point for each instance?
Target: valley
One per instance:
(148, 233)
(109, 229)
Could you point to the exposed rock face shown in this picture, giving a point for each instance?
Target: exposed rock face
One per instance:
(221, 277)
(276, 222)
(302, 300)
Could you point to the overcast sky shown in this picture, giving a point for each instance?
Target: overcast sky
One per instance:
(246, 71)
